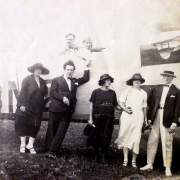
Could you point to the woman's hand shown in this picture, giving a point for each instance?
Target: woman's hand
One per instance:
(90, 121)
(128, 110)
(22, 108)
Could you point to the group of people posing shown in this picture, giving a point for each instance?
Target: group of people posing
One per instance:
(160, 110)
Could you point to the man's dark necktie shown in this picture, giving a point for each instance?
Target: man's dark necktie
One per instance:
(166, 85)
(69, 78)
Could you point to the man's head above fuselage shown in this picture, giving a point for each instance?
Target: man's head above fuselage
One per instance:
(70, 40)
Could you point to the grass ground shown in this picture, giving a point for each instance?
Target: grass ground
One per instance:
(76, 161)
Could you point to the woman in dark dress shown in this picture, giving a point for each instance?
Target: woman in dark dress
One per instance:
(30, 106)
(103, 101)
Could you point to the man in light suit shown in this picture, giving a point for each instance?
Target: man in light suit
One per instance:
(164, 112)
(62, 106)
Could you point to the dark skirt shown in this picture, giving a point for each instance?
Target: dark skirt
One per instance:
(101, 135)
(27, 123)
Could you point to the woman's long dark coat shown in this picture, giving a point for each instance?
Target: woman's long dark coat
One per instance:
(31, 96)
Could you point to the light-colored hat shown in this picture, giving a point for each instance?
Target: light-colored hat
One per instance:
(87, 39)
(170, 73)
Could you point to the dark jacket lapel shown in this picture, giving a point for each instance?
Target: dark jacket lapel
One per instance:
(159, 94)
(72, 85)
(64, 83)
(171, 90)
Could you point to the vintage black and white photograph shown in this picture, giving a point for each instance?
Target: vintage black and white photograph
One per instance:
(90, 90)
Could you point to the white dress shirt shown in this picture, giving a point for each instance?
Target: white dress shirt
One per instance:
(68, 82)
(164, 94)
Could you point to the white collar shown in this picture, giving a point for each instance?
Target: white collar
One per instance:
(65, 77)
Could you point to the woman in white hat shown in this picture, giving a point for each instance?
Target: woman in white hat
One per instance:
(134, 103)
(30, 106)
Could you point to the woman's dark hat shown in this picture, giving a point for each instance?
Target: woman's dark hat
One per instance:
(38, 66)
(135, 77)
(105, 76)
(170, 73)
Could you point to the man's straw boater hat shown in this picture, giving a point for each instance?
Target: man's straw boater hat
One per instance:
(169, 73)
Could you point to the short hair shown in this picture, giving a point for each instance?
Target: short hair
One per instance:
(70, 34)
(70, 63)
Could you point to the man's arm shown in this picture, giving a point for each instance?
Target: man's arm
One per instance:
(176, 114)
(85, 77)
(177, 109)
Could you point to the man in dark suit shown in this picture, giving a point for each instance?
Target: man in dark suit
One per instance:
(164, 112)
(62, 106)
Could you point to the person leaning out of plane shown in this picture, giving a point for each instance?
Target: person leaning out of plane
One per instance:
(30, 106)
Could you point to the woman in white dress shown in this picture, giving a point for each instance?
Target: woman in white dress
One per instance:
(134, 103)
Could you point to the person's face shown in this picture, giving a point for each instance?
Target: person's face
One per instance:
(107, 82)
(136, 83)
(88, 44)
(37, 72)
(69, 71)
(70, 40)
(167, 79)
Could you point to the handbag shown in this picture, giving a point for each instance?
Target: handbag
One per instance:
(146, 127)
(88, 129)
